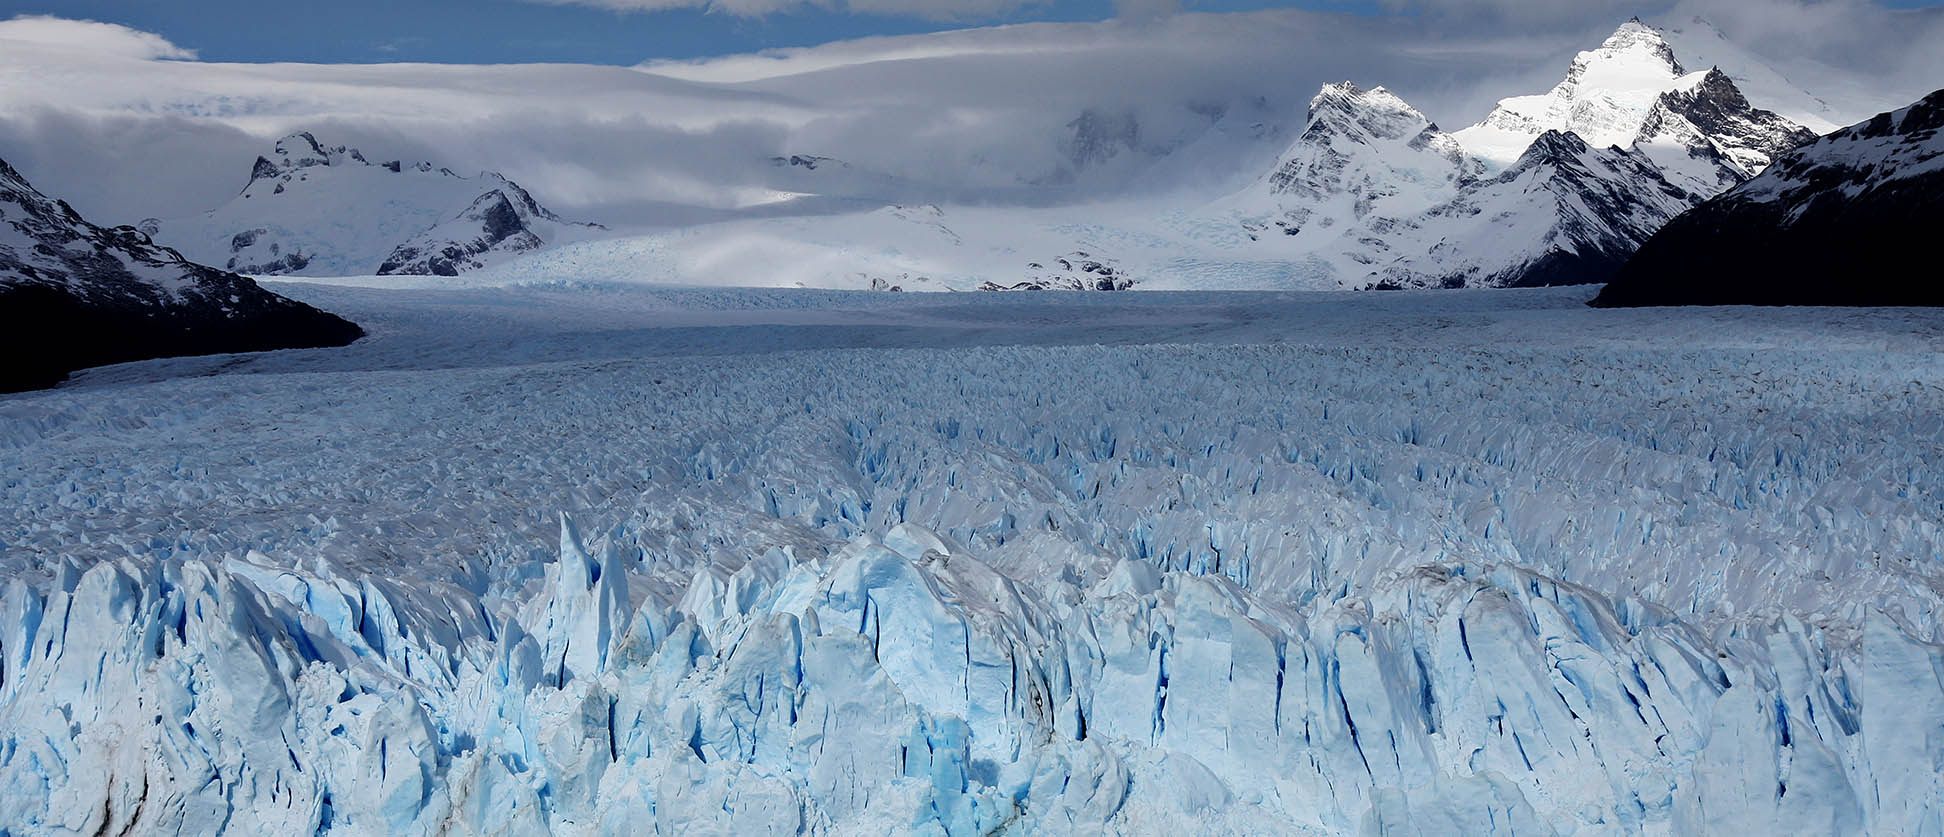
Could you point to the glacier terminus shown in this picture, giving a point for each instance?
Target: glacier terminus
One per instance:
(586, 559)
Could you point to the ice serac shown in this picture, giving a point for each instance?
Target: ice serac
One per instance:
(902, 683)
(74, 295)
(1841, 221)
(1565, 213)
(316, 210)
(1633, 92)
(1360, 152)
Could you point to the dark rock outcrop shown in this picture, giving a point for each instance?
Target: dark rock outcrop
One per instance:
(1846, 220)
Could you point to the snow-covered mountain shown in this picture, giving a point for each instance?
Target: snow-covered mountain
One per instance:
(1700, 43)
(74, 295)
(1361, 152)
(1370, 192)
(1628, 140)
(1565, 213)
(1633, 91)
(316, 210)
(1846, 220)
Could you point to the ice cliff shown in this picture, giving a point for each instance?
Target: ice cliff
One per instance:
(902, 684)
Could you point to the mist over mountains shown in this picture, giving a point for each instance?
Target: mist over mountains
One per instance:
(127, 131)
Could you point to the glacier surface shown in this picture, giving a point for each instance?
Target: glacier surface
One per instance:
(594, 559)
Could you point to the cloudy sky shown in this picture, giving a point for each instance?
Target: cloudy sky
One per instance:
(668, 111)
(583, 31)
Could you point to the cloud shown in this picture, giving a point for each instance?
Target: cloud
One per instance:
(87, 36)
(119, 169)
(1897, 45)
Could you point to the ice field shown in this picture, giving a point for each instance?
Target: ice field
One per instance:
(603, 559)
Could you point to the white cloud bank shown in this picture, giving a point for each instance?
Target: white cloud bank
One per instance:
(88, 37)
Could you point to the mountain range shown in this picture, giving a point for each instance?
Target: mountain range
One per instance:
(73, 295)
(1555, 188)
(316, 210)
(1551, 189)
(1559, 187)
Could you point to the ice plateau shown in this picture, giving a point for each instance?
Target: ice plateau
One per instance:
(587, 559)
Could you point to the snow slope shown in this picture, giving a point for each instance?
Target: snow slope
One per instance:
(310, 210)
(841, 563)
(1565, 213)
(931, 247)
(1360, 152)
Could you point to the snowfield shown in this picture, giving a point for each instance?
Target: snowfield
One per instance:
(608, 559)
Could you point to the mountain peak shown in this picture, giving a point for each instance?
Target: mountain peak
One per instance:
(300, 143)
(1567, 212)
(1636, 35)
(1632, 92)
(1555, 148)
(1636, 48)
(10, 177)
(1334, 92)
(1705, 130)
(1362, 152)
(1554, 143)
(301, 150)
(1347, 98)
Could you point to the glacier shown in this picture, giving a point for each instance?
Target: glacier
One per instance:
(591, 559)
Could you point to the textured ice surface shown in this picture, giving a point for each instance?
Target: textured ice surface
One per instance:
(604, 560)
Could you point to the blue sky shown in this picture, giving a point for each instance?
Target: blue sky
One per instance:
(591, 31)
(507, 31)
